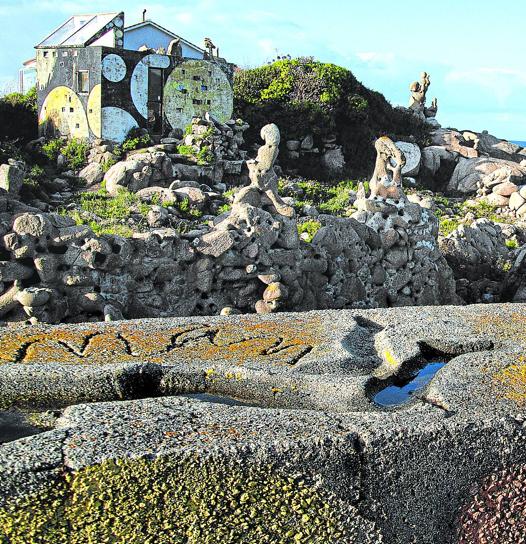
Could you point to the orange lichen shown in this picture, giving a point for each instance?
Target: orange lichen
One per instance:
(237, 342)
(511, 327)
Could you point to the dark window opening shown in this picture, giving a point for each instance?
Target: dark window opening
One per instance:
(71, 110)
(83, 81)
(197, 78)
(196, 101)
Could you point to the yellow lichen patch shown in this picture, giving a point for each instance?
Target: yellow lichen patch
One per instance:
(389, 358)
(237, 342)
(167, 501)
(511, 382)
(512, 327)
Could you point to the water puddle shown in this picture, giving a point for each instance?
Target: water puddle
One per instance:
(217, 399)
(399, 394)
(14, 425)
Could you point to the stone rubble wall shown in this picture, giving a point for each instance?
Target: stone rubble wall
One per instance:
(252, 259)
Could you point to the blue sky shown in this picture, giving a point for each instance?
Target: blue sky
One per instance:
(473, 49)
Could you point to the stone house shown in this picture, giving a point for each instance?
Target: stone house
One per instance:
(90, 85)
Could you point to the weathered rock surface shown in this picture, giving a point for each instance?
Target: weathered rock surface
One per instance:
(334, 465)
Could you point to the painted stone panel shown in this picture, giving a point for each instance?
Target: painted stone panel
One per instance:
(113, 68)
(116, 123)
(94, 110)
(139, 80)
(194, 88)
(63, 113)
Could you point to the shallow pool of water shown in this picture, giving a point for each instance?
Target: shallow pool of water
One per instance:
(218, 399)
(397, 395)
(13, 425)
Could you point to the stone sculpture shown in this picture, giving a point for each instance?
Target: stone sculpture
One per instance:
(418, 92)
(264, 181)
(386, 181)
(209, 46)
(417, 101)
(175, 49)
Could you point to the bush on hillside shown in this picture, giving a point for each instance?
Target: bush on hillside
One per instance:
(18, 116)
(303, 96)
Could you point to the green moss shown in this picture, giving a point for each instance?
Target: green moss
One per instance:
(168, 501)
(512, 243)
(310, 227)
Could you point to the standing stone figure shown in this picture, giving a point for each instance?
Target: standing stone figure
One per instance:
(175, 48)
(418, 92)
(387, 176)
(262, 175)
(209, 46)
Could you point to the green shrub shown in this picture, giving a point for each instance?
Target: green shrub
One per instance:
(304, 96)
(18, 113)
(52, 148)
(224, 209)
(135, 139)
(447, 225)
(205, 156)
(187, 150)
(512, 243)
(76, 153)
(35, 176)
(310, 227)
(190, 212)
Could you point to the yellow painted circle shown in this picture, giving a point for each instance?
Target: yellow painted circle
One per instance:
(63, 113)
(94, 110)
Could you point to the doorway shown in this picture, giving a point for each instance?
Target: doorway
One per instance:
(155, 100)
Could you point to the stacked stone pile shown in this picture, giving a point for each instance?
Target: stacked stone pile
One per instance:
(329, 152)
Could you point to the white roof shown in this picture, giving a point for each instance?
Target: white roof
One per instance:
(79, 29)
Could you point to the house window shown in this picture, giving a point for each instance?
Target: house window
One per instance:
(204, 88)
(75, 53)
(63, 110)
(64, 53)
(46, 53)
(196, 101)
(196, 78)
(83, 81)
(71, 110)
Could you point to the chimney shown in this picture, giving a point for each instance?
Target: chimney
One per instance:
(143, 15)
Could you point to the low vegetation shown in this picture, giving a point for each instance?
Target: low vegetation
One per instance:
(308, 229)
(74, 151)
(18, 113)
(330, 199)
(107, 214)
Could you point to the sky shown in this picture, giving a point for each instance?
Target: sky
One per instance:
(473, 49)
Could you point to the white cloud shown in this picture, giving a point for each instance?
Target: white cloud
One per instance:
(501, 82)
(267, 46)
(184, 17)
(373, 57)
